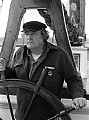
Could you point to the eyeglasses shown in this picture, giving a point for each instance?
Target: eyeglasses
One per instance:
(32, 33)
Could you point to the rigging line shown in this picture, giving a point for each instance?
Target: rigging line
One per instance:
(1, 4)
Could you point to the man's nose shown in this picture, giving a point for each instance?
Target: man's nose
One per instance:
(29, 37)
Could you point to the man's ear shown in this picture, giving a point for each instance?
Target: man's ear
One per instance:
(44, 34)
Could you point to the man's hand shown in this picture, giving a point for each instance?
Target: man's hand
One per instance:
(2, 64)
(78, 103)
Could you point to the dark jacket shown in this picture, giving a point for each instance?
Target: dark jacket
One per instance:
(57, 58)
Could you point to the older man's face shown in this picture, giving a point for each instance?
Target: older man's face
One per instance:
(33, 39)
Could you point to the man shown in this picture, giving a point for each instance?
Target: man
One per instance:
(28, 64)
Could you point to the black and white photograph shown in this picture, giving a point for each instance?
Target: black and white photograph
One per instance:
(44, 60)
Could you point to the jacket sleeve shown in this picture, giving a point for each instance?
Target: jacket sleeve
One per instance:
(72, 76)
(9, 73)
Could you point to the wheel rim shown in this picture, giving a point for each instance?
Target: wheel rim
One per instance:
(53, 100)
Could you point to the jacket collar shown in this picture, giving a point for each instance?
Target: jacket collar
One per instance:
(50, 46)
(23, 51)
(20, 55)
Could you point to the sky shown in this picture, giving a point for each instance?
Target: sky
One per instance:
(4, 16)
(34, 16)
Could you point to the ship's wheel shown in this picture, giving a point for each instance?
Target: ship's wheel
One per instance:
(62, 113)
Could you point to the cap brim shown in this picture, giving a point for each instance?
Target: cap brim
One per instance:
(30, 30)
